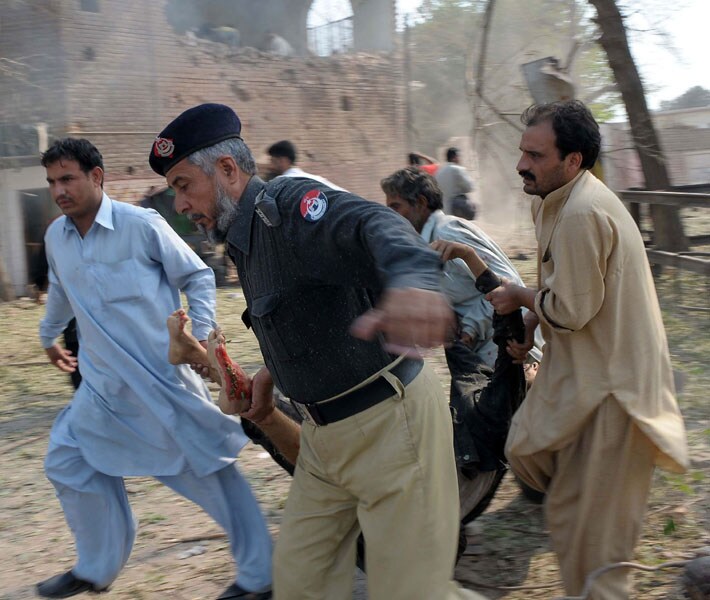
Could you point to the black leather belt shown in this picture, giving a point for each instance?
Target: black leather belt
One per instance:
(322, 413)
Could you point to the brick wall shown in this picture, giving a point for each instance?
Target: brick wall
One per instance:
(126, 73)
(32, 69)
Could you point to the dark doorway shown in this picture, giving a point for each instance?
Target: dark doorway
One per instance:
(38, 211)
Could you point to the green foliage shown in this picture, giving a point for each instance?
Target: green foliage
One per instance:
(680, 483)
(697, 476)
(593, 73)
(670, 527)
(152, 518)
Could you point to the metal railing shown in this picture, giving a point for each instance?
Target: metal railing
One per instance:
(673, 287)
(696, 262)
(335, 37)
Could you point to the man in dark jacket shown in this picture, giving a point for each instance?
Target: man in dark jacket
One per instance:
(340, 293)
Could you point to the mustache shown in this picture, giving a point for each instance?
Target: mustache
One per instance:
(526, 174)
(197, 216)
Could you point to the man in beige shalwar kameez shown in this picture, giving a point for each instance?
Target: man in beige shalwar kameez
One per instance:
(601, 413)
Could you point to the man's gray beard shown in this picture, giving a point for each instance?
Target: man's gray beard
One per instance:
(226, 211)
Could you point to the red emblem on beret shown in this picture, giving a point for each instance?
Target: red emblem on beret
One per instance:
(163, 147)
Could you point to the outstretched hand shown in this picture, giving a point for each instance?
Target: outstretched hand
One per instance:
(262, 397)
(451, 250)
(62, 358)
(408, 318)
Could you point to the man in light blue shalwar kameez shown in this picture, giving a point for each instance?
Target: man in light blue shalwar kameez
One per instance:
(119, 270)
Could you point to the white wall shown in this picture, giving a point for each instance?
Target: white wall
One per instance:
(12, 235)
(698, 166)
(689, 117)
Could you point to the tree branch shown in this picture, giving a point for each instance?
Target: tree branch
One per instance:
(620, 565)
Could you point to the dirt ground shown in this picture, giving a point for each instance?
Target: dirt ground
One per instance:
(180, 553)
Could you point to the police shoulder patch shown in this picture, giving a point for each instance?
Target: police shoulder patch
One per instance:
(314, 205)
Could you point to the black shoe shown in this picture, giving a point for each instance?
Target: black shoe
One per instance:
(65, 585)
(235, 592)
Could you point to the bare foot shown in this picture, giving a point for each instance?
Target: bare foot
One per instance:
(235, 394)
(184, 348)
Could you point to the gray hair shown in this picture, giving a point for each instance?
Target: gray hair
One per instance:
(206, 158)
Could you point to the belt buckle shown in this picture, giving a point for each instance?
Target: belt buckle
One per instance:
(305, 414)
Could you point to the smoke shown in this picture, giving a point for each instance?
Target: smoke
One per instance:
(444, 54)
(254, 21)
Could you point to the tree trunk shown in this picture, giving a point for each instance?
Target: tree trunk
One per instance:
(668, 231)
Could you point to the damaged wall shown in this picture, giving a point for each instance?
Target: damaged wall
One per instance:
(32, 67)
(117, 76)
(254, 21)
(373, 21)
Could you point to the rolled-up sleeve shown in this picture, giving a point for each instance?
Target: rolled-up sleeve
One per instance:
(475, 312)
(572, 294)
(187, 272)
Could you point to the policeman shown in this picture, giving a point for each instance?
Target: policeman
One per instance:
(340, 292)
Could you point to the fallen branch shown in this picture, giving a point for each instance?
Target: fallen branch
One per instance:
(508, 588)
(198, 538)
(672, 506)
(620, 565)
(523, 530)
(587, 585)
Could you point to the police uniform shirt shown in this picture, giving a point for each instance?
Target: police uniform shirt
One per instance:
(311, 260)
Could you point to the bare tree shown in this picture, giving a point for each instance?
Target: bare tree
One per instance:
(668, 230)
(478, 88)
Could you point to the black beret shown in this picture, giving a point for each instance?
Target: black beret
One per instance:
(198, 127)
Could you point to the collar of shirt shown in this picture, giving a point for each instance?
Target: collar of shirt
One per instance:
(104, 217)
(430, 226)
(546, 214)
(293, 172)
(555, 199)
(239, 234)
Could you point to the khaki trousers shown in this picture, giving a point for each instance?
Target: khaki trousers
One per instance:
(596, 494)
(390, 470)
